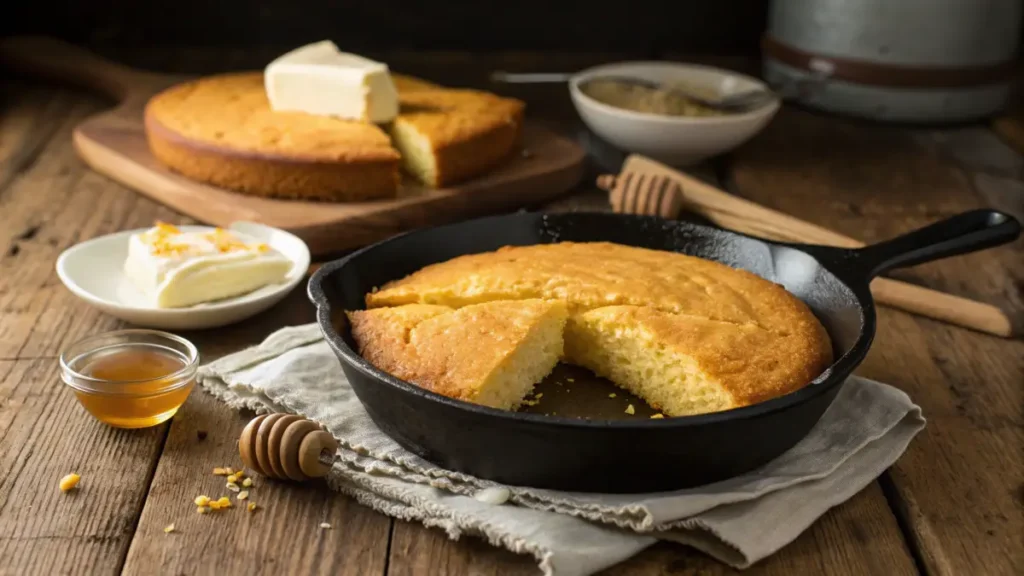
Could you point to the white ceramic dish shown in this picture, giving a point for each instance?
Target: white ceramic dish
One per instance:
(92, 270)
(675, 140)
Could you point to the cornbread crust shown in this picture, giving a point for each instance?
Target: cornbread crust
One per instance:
(472, 353)
(469, 132)
(750, 338)
(221, 130)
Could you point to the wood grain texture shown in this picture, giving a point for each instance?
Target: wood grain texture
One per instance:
(44, 435)
(53, 203)
(958, 486)
(114, 144)
(283, 535)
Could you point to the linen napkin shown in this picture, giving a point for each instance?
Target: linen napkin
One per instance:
(738, 521)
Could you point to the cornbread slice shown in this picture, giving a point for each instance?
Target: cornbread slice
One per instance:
(685, 365)
(686, 334)
(448, 136)
(490, 354)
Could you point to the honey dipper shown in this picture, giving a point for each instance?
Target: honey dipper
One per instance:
(287, 447)
(650, 188)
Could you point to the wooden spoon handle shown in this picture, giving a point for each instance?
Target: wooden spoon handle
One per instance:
(744, 216)
(61, 61)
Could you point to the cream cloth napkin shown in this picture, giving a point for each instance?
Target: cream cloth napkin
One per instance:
(738, 521)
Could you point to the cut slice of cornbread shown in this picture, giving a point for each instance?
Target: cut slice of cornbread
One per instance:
(448, 136)
(684, 364)
(490, 354)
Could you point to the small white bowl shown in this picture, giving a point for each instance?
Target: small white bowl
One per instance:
(92, 270)
(675, 140)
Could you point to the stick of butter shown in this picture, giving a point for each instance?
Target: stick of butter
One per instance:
(320, 79)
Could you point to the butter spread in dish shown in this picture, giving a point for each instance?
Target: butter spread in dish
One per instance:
(320, 79)
(175, 269)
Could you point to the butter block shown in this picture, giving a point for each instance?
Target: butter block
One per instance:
(320, 79)
(176, 269)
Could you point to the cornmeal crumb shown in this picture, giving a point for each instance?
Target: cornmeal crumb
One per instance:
(570, 379)
(232, 479)
(630, 409)
(612, 395)
(169, 528)
(247, 482)
(325, 525)
(657, 416)
(243, 495)
(69, 482)
(220, 472)
(251, 507)
(202, 500)
(232, 486)
(202, 509)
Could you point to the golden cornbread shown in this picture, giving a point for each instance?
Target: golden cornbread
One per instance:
(490, 354)
(221, 130)
(686, 334)
(448, 136)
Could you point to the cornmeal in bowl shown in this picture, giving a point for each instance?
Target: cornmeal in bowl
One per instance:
(687, 335)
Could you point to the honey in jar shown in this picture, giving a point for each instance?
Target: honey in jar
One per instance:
(131, 378)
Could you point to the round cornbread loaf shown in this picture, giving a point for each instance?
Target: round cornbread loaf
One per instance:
(221, 130)
(687, 335)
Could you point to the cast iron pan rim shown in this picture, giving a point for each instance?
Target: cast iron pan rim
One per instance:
(835, 374)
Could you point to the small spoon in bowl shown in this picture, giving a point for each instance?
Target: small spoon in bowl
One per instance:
(733, 103)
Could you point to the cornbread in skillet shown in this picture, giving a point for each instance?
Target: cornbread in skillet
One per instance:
(686, 334)
(490, 354)
(221, 130)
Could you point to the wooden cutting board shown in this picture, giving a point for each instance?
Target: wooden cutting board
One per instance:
(114, 144)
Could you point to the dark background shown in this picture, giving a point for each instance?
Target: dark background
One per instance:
(713, 27)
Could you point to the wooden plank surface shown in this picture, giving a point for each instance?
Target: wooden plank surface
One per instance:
(958, 487)
(50, 203)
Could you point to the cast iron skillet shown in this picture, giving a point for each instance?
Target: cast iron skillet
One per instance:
(639, 454)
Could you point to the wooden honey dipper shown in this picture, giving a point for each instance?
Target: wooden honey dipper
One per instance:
(650, 188)
(287, 447)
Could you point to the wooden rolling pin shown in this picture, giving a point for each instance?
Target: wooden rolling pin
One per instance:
(665, 192)
(287, 447)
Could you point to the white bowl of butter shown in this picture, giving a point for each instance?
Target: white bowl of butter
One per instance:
(676, 139)
(186, 277)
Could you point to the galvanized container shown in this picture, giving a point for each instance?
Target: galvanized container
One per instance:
(895, 60)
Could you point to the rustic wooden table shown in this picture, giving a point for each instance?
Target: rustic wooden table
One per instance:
(951, 505)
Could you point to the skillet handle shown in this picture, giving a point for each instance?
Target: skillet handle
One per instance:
(963, 233)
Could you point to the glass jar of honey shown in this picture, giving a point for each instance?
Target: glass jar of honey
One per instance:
(131, 378)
